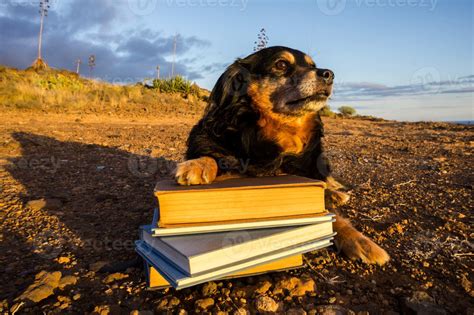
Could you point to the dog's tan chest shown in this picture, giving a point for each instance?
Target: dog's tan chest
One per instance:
(291, 135)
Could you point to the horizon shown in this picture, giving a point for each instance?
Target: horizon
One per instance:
(407, 60)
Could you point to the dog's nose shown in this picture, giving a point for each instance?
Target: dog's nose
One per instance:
(326, 74)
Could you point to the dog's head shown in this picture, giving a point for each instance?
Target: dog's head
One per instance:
(277, 79)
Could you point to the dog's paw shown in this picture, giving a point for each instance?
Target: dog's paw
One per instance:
(334, 198)
(196, 172)
(358, 246)
(333, 184)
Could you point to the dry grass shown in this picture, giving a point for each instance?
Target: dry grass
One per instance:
(60, 91)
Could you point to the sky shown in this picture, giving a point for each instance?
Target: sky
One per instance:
(397, 59)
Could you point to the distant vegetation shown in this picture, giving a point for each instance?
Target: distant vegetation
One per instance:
(347, 110)
(178, 84)
(63, 91)
(327, 112)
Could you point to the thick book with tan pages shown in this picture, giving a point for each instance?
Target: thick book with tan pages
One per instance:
(239, 200)
(156, 280)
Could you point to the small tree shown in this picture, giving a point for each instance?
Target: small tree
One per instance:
(262, 40)
(39, 63)
(347, 110)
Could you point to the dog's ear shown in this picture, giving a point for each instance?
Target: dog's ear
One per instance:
(231, 86)
(229, 102)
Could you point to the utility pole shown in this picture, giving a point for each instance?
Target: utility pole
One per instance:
(78, 65)
(174, 56)
(158, 72)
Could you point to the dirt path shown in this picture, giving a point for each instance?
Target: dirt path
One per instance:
(411, 186)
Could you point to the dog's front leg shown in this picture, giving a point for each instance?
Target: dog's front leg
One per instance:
(332, 195)
(355, 245)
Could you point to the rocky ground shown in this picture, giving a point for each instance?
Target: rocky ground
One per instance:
(75, 190)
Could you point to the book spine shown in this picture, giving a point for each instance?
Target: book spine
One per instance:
(147, 267)
(156, 217)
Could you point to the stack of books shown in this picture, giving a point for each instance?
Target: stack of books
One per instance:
(232, 228)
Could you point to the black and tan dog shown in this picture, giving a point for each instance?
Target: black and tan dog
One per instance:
(262, 119)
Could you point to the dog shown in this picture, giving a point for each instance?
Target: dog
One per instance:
(263, 119)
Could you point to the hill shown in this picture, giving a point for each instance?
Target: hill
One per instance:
(65, 92)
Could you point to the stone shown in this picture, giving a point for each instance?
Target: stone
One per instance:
(173, 301)
(65, 302)
(467, 285)
(62, 298)
(64, 260)
(296, 311)
(167, 303)
(144, 312)
(332, 310)
(76, 296)
(107, 310)
(225, 291)
(241, 311)
(265, 304)
(204, 304)
(67, 280)
(209, 288)
(44, 203)
(114, 277)
(295, 286)
(43, 287)
(263, 287)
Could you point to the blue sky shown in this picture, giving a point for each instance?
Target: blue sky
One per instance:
(397, 59)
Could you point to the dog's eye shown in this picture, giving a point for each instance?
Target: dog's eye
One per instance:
(281, 65)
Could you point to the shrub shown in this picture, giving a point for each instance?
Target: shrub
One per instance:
(327, 112)
(347, 110)
(177, 84)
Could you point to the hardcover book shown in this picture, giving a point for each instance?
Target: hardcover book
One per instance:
(238, 200)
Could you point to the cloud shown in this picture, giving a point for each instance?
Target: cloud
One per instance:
(87, 27)
(355, 91)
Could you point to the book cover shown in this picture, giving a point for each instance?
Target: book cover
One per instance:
(180, 280)
(237, 226)
(194, 254)
(239, 200)
(156, 280)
